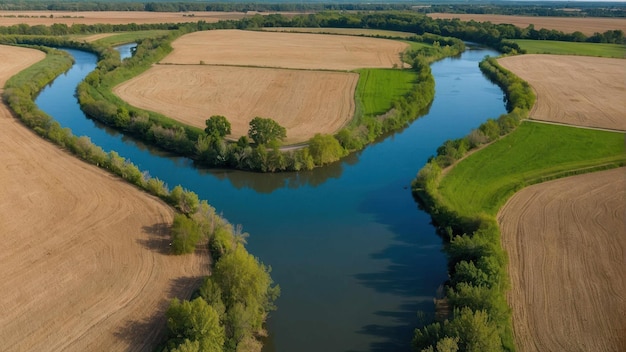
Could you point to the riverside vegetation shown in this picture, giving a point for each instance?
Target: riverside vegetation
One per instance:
(464, 203)
(234, 301)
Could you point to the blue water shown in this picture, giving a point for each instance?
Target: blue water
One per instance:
(353, 254)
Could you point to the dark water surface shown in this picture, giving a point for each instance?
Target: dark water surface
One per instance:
(353, 254)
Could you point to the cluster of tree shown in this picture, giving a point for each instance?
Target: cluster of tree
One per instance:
(59, 29)
(539, 8)
(235, 300)
(476, 291)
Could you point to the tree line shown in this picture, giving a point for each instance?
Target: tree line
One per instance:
(476, 291)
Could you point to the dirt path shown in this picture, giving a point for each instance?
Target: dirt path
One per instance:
(566, 241)
(586, 25)
(575, 90)
(83, 261)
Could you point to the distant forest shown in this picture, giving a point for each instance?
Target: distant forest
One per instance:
(525, 8)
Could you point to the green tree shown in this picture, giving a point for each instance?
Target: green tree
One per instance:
(475, 331)
(185, 234)
(325, 149)
(194, 321)
(263, 131)
(217, 125)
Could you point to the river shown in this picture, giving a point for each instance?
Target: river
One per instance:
(355, 257)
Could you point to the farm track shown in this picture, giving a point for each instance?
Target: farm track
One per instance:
(84, 261)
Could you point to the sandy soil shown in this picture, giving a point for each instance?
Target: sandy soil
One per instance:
(285, 50)
(304, 102)
(566, 241)
(576, 90)
(586, 25)
(8, 18)
(83, 263)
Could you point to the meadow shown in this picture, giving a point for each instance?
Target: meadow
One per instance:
(572, 48)
(533, 153)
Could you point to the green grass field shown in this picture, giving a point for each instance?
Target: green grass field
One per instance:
(571, 48)
(534, 152)
(128, 37)
(377, 88)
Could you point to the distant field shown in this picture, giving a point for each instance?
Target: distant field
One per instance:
(304, 102)
(576, 90)
(485, 180)
(378, 87)
(346, 31)
(569, 48)
(586, 25)
(285, 50)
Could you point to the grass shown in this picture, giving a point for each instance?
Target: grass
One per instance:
(533, 153)
(378, 88)
(572, 48)
(128, 37)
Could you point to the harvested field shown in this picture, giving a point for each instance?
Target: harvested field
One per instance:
(83, 261)
(304, 102)
(566, 241)
(285, 50)
(575, 90)
(9, 18)
(586, 25)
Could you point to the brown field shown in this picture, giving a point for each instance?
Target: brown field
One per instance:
(566, 241)
(285, 50)
(586, 25)
(9, 18)
(304, 102)
(575, 90)
(83, 263)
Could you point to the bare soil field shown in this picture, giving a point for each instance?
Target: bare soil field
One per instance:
(575, 90)
(304, 102)
(566, 241)
(9, 18)
(83, 261)
(586, 25)
(285, 50)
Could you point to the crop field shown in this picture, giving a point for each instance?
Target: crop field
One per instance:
(566, 242)
(285, 50)
(47, 18)
(315, 95)
(304, 102)
(83, 261)
(574, 90)
(570, 48)
(485, 180)
(586, 25)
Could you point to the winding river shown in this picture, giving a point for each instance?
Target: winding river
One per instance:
(354, 255)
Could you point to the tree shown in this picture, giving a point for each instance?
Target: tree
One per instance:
(263, 131)
(325, 149)
(217, 125)
(185, 234)
(194, 321)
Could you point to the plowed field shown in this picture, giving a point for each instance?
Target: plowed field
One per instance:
(306, 99)
(83, 261)
(566, 241)
(285, 50)
(575, 90)
(304, 102)
(586, 25)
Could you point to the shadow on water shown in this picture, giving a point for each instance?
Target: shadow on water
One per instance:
(404, 275)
